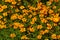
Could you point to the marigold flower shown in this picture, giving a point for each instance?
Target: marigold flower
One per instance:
(30, 16)
(4, 6)
(49, 3)
(32, 22)
(42, 32)
(53, 36)
(16, 10)
(1, 9)
(12, 35)
(51, 11)
(5, 14)
(1, 17)
(58, 36)
(24, 19)
(22, 29)
(46, 39)
(20, 17)
(46, 31)
(31, 29)
(22, 7)
(56, 0)
(24, 37)
(39, 36)
(14, 16)
(14, 2)
(49, 26)
(39, 27)
(56, 19)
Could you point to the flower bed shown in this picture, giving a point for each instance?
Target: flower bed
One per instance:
(29, 19)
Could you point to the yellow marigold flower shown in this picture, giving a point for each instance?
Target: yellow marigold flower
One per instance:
(19, 0)
(41, 15)
(22, 29)
(21, 26)
(39, 5)
(32, 22)
(9, 1)
(3, 22)
(58, 36)
(5, 14)
(24, 19)
(1, 17)
(14, 16)
(34, 13)
(56, 19)
(43, 20)
(12, 35)
(51, 11)
(56, 15)
(22, 7)
(24, 37)
(34, 19)
(31, 29)
(16, 24)
(15, 27)
(51, 0)
(46, 31)
(1, 9)
(56, 0)
(39, 36)
(55, 24)
(49, 26)
(30, 16)
(53, 36)
(54, 7)
(59, 9)
(17, 10)
(20, 16)
(2, 26)
(39, 27)
(49, 3)
(42, 32)
(14, 2)
(42, 11)
(46, 39)
(4, 6)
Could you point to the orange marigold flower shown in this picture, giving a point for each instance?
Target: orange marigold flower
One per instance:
(39, 36)
(31, 29)
(39, 27)
(5, 14)
(51, 11)
(32, 22)
(22, 7)
(1, 17)
(56, 0)
(24, 19)
(4, 6)
(42, 32)
(49, 26)
(22, 29)
(24, 37)
(20, 16)
(14, 2)
(17, 10)
(14, 16)
(12, 35)
(1, 9)
(58, 36)
(56, 19)
(53, 36)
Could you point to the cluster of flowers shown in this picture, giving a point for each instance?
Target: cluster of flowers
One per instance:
(41, 21)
